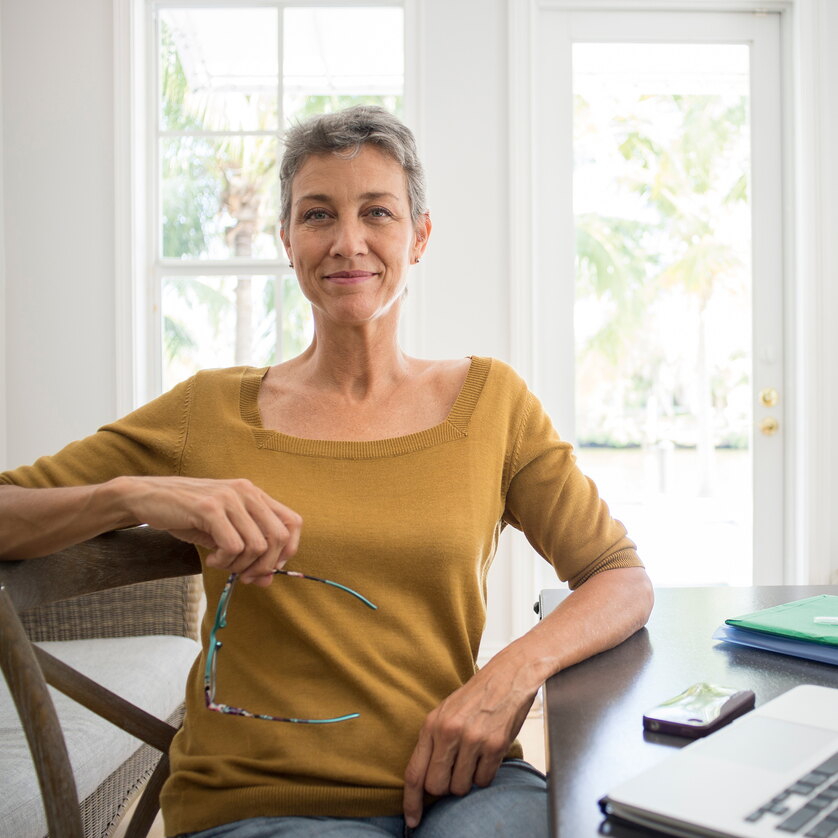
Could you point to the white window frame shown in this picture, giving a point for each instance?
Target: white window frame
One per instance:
(808, 222)
(137, 284)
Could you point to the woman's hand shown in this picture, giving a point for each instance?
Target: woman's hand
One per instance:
(246, 530)
(464, 740)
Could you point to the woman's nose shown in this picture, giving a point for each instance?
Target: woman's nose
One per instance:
(350, 239)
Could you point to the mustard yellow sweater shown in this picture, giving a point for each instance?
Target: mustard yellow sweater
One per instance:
(412, 523)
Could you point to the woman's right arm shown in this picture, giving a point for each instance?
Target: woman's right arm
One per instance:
(35, 522)
(128, 473)
(245, 530)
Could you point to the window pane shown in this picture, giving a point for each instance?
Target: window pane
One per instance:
(219, 69)
(219, 197)
(218, 161)
(323, 73)
(663, 299)
(220, 321)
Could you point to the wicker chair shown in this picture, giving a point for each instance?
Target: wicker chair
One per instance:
(80, 593)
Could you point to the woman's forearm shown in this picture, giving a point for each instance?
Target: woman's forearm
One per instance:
(601, 613)
(36, 522)
(243, 529)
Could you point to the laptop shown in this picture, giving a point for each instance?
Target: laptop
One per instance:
(772, 772)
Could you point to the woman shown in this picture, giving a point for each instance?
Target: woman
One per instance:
(404, 473)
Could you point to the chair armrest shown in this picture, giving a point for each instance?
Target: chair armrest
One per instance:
(130, 582)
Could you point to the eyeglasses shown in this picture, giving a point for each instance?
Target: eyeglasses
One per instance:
(215, 646)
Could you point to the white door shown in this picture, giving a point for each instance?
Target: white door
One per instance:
(658, 277)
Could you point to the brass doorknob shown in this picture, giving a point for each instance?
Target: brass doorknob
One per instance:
(769, 425)
(769, 397)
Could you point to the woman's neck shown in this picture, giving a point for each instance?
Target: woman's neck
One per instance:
(357, 363)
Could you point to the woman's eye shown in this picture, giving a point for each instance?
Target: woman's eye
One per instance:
(380, 212)
(315, 215)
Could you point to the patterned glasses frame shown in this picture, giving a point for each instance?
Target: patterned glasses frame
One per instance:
(215, 646)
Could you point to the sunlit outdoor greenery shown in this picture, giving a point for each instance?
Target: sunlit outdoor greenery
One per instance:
(663, 275)
(662, 320)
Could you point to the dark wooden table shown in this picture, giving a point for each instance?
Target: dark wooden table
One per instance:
(594, 710)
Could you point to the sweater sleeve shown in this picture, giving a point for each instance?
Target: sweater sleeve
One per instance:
(557, 507)
(148, 441)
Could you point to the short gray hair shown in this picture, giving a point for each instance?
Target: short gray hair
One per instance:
(344, 133)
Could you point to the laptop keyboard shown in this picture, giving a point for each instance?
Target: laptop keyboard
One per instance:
(808, 807)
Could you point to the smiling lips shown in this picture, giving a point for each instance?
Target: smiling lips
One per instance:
(349, 277)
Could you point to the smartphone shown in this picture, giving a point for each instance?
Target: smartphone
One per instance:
(699, 710)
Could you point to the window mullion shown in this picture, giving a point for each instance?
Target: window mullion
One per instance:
(153, 378)
(280, 125)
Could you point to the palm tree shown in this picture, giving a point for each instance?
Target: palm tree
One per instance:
(244, 165)
(234, 178)
(687, 183)
(677, 248)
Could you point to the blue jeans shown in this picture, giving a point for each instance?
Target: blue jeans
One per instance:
(514, 804)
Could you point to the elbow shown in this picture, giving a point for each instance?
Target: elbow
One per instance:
(637, 597)
(646, 598)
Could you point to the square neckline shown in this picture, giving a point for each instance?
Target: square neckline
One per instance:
(454, 426)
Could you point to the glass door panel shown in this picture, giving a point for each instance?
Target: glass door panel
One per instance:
(662, 315)
(658, 263)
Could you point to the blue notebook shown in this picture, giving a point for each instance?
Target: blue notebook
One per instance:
(776, 643)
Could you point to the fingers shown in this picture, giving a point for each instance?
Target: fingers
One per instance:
(451, 756)
(254, 534)
(414, 779)
(463, 742)
(245, 530)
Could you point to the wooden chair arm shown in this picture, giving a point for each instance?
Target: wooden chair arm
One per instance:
(110, 560)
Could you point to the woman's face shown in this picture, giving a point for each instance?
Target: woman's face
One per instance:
(350, 236)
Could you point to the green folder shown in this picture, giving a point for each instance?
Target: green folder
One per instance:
(795, 620)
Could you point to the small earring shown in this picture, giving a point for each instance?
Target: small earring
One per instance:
(416, 262)
(290, 264)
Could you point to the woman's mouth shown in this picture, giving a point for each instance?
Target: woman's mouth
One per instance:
(348, 277)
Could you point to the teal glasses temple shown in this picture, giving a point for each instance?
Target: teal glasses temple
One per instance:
(215, 645)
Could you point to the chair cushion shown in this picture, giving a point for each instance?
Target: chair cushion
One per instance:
(148, 671)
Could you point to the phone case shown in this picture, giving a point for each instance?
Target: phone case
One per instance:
(699, 710)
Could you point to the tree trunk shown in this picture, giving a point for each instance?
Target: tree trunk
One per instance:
(244, 320)
(242, 235)
(704, 413)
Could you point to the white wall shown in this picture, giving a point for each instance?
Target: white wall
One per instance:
(58, 222)
(463, 288)
(825, 544)
(2, 278)
(57, 183)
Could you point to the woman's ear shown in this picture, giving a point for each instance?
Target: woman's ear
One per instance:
(422, 234)
(283, 235)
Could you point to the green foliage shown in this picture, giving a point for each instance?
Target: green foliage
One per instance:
(176, 337)
(672, 243)
(296, 322)
(189, 179)
(330, 103)
(218, 194)
(173, 85)
(189, 196)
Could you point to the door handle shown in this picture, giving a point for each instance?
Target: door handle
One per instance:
(769, 426)
(769, 397)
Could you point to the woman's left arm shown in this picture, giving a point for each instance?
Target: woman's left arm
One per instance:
(463, 741)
